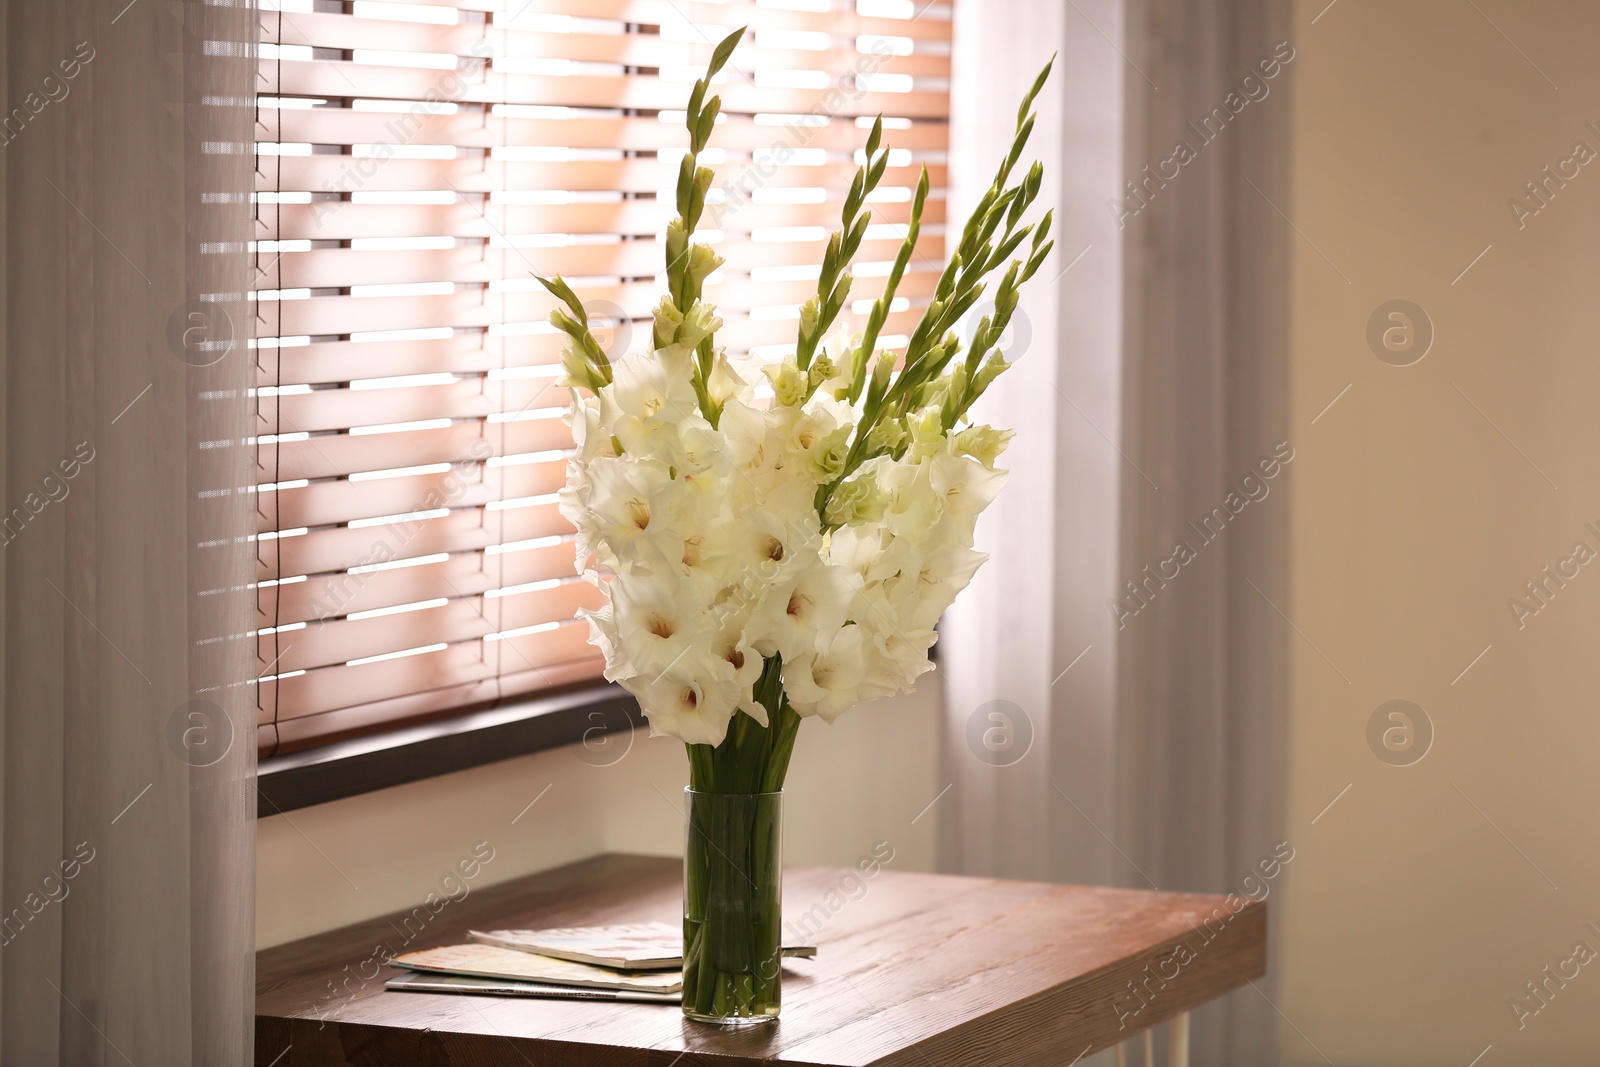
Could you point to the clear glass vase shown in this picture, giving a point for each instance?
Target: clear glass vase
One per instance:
(732, 907)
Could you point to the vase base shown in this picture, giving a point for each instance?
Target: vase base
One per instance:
(732, 1021)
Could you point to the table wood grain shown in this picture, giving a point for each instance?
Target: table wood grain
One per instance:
(913, 970)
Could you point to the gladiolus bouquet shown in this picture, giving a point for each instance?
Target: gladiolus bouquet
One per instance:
(770, 560)
(780, 553)
(767, 560)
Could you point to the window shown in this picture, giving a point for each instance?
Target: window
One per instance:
(417, 165)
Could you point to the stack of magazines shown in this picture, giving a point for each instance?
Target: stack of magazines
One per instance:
(638, 961)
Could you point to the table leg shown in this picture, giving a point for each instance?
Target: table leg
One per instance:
(1177, 1044)
(1178, 1040)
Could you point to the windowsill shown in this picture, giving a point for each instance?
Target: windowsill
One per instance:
(345, 768)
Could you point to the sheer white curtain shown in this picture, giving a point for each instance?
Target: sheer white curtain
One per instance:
(1151, 386)
(1053, 536)
(126, 728)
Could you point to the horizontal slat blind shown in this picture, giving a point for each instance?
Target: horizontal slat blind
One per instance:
(418, 163)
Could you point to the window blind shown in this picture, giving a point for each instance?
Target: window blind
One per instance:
(418, 163)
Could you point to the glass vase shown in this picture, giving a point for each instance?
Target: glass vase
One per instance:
(732, 907)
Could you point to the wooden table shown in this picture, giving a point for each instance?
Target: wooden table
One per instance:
(913, 970)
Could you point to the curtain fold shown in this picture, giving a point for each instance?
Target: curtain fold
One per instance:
(1202, 744)
(1152, 386)
(126, 479)
(1029, 641)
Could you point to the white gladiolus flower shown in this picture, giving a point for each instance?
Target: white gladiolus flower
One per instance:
(913, 508)
(922, 593)
(659, 624)
(795, 615)
(628, 508)
(965, 485)
(730, 646)
(858, 548)
(650, 396)
(758, 548)
(603, 635)
(827, 683)
(895, 654)
(695, 708)
(573, 502)
(589, 434)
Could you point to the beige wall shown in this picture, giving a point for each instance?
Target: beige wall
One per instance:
(1408, 921)
(860, 781)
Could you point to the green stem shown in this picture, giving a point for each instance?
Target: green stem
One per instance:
(732, 865)
(732, 906)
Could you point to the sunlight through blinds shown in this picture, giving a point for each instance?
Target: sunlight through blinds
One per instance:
(417, 164)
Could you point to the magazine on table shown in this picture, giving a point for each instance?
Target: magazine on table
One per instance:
(492, 961)
(430, 982)
(653, 946)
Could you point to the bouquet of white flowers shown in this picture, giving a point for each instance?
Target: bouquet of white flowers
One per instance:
(778, 541)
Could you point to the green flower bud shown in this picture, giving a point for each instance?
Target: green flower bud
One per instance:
(788, 384)
(677, 244)
(702, 261)
(880, 373)
(809, 313)
(858, 500)
(934, 393)
(957, 390)
(668, 319)
(705, 122)
(983, 443)
(700, 323)
(887, 437)
(821, 370)
(991, 369)
(564, 322)
(685, 188)
(825, 459)
(927, 431)
(575, 370)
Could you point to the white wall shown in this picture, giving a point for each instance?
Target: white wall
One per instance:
(1408, 919)
(860, 781)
